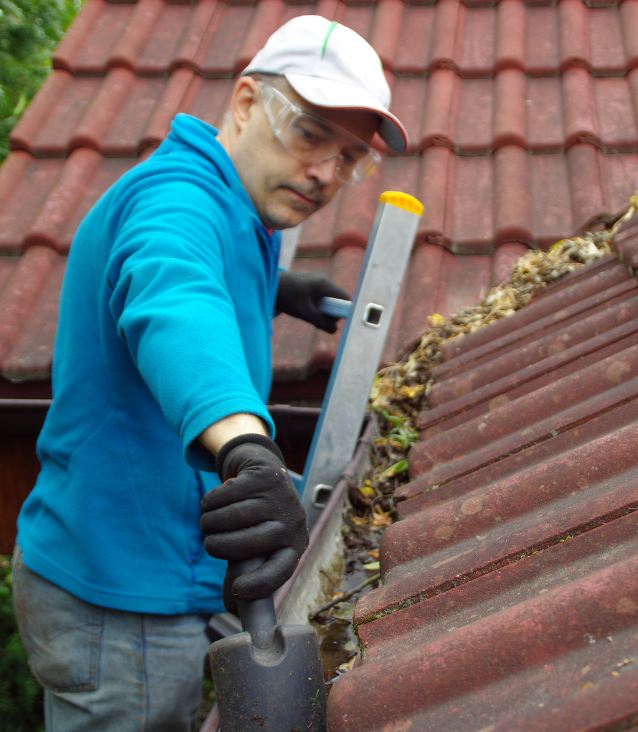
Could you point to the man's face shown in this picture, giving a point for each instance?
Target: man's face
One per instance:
(285, 190)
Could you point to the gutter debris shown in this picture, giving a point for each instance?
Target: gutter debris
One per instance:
(400, 393)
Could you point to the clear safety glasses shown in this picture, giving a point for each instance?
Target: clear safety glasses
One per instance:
(312, 139)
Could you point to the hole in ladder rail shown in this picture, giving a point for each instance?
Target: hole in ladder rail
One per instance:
(321, 495)
(372, 315)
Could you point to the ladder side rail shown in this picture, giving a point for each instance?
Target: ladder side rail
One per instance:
(359, 353)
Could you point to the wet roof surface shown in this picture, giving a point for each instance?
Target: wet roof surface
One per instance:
(510, 592)
(521, 118)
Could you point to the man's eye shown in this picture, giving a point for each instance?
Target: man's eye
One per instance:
(352, 157)
(309, 136)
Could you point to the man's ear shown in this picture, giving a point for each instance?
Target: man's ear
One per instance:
(243, 100)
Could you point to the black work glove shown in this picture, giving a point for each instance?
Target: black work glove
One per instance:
(299, 295)
(256, 512)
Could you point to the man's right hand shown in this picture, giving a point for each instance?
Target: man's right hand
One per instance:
(256, 512)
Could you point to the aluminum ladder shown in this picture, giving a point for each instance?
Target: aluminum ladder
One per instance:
(369, 317)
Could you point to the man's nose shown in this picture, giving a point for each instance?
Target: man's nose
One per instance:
(325, 171)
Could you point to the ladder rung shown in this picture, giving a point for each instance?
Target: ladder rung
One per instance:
(334, 307)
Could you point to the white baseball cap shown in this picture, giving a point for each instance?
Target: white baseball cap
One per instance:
(330, 65)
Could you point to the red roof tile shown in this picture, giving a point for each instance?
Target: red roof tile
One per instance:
(509, 597)
(521, 116)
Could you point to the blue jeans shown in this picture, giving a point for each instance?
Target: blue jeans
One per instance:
(106, 670)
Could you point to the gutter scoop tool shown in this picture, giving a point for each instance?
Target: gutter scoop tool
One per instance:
(268, 677)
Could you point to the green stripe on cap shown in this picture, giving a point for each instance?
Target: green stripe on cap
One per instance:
(333, 25)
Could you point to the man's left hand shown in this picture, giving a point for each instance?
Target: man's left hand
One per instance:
(300, 293)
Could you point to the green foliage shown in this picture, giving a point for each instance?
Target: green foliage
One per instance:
(20, 694)
(29, 32)
(402, 433)
(208, 689)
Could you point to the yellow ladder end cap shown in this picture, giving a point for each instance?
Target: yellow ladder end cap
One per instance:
(402, 200)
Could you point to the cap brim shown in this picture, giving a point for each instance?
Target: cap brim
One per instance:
(338, 95)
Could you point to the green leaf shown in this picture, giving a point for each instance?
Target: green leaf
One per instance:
(393, 470)
(29, 32)
(21, 697)
(344, 611)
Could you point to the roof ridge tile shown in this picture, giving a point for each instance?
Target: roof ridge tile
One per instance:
(586, 186)
(551, 326)
(21, 205)
(532, 352)
(509, 40)
(512, 197)
(20, 292)
(433, 189)
(13, 171)
(509, 125)
(35, 116)
(357, 207)
(582, 273)
(31, 355)
(447, 20)
(419, 498)
(573, 35)
(628, 10)
(92, 56)
(327, 8)
(557, 307)
(470, 512)
(442, 88)
(135, 34)
(60, 205)
(533, 417)
(423, 280)
(393, 632)
(476, 40)
(386, 30)
(579, 107)
(471, 545)
(217, 56)
(504, 258)
(102, 111)
(416, 40)
(192, 39)
(174, 92)
(265, 21)
(207, 99)
(616, 119)
(530, 636)
(469, 227)
(499, 389)
(65, 54)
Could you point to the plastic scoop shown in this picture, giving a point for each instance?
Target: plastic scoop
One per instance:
(269, 676)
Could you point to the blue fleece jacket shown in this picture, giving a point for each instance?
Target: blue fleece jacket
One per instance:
(164, 329)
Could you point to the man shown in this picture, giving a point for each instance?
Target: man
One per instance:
(161, 376)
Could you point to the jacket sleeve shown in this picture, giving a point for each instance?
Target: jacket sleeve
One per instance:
(171, 305)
